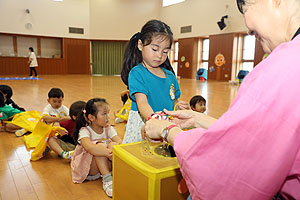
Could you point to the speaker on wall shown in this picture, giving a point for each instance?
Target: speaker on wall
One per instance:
(221, 23)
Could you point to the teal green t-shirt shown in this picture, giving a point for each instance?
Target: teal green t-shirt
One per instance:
(7, 111)
(161, 92)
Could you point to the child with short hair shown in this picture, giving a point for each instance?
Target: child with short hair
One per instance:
(7, 91)
(64, 145)
(198, 104)
(5, 113)
(56, 112)
(95, 138)
(149, 76)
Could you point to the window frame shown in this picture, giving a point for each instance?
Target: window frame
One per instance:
(242, 54)
(201, 54)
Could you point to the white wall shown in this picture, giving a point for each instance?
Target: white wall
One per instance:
(120, 19)
(203, 16)
(116, 19)
(48, 18)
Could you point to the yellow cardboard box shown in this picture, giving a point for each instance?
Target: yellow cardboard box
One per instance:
(141, 176)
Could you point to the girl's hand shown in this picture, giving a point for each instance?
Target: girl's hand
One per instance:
(154, 128)
(102, 144)
(111, 144)
(183, 105)
(109, 156)
(143, 132)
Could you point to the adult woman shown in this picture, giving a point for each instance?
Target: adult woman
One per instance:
(32, 62)
(252, 151)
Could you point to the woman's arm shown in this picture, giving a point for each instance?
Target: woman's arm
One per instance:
(98, 149)
(189, 119)
(183, 119)
(143, 105)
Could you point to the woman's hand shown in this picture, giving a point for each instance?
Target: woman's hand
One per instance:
(183, 118)
(154, 128)
(190, 119)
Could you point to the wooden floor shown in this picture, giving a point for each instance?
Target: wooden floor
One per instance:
(50, 177)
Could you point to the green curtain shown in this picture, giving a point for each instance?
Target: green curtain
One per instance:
(107, 57)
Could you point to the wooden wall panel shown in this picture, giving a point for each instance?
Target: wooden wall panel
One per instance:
(76, 60)
(51, 66)
(220, 44)
(77, 54)
(13, 65)
(189, 49)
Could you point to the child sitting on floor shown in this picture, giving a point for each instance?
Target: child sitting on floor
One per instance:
(64, 145)
(92, 157)
(122, 115)
(56, 112)
(7, 112)
(7, 91)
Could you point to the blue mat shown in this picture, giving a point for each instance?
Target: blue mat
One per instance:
(19, 78)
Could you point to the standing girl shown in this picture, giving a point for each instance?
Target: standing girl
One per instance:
(95, 138)
(147, 72)
(32, 62)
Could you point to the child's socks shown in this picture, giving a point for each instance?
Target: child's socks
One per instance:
(107, 184)
(93, 177)
(67, 154)
(20, 132)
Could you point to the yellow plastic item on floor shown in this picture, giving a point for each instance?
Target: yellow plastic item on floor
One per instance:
(26, 120)
(41, 128)
(124, 112)
(40, 148)
(144, 176)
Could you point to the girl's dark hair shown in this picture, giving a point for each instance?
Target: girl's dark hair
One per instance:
(31, 49)
(76, 108)
(2, 99)
(5, 89)
(196, 99)
(133, 56)
(82, 118)
(240, 4)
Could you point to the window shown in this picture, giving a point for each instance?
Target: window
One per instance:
(23, 43)
(171, 2)
(248, 52)
(50, 48)
(6, 45)
(205, 54)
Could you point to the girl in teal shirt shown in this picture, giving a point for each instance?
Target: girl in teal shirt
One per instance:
(149, 76)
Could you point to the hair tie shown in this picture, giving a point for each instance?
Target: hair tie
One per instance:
(84, 111)
(138, 35)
